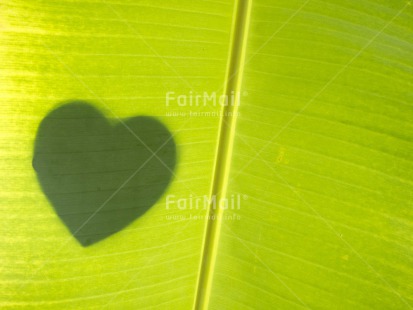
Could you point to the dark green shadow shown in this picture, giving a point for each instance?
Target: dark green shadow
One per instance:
(98, 176)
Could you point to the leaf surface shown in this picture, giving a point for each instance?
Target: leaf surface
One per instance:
(321, 155)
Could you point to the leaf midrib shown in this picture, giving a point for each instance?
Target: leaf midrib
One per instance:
(226, 133)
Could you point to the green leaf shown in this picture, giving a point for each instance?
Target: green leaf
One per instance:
(319, 153)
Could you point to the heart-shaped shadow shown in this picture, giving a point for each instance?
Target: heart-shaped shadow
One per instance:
(101, 177)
